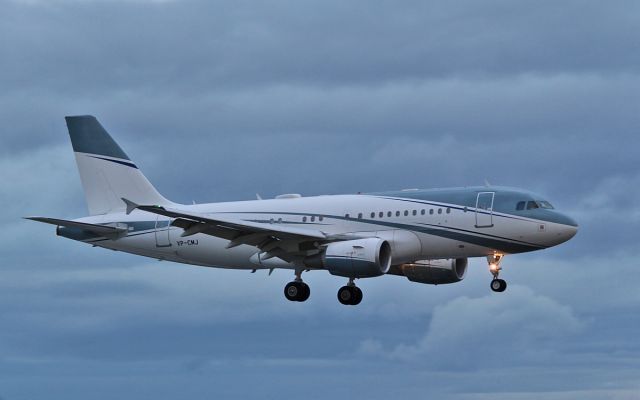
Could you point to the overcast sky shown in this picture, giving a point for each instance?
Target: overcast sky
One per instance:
(219, 100)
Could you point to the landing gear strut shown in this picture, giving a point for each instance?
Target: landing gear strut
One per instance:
(497, 284)
(350, 295)
(297, 290)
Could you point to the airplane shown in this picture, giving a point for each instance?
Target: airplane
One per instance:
(426, 236)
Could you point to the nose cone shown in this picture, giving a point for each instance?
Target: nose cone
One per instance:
(569, 231)
(566, 229)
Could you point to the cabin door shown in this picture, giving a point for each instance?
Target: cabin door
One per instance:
(484, 209)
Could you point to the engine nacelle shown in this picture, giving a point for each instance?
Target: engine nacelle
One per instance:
(361, 258)
(435, 272)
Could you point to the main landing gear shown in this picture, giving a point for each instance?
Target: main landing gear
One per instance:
(350, 295)
(297, 290)
(497, 285)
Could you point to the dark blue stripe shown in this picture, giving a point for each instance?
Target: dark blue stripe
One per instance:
(127, 163)
(128, 236)
(455, 207)
(477, 233)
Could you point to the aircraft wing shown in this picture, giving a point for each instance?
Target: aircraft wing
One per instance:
(102, 230)
(275, 239)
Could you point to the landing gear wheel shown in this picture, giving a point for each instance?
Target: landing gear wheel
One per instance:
(306, 292)
(358, 296)
(291, 291)
(345, 295)
(498, 285)
(297, 291)
(350, 295)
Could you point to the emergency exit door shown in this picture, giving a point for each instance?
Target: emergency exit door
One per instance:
(162, 231)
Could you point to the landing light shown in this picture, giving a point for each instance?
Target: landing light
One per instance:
(494, 267)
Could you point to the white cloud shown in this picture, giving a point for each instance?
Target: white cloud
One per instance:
(491, 330)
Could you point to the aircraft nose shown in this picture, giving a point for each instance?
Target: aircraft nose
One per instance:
(568, 230)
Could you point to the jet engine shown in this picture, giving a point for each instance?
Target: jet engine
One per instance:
(434, 272)
(361, 258)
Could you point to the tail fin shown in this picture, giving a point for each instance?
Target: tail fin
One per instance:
(106, 172)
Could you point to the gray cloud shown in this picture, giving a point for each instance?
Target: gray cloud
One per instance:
(219, 100)
(480, 332)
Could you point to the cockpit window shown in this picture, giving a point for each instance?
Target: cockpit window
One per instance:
(545, 204)
(532, 205)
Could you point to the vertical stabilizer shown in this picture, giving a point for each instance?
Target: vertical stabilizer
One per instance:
(107, 173)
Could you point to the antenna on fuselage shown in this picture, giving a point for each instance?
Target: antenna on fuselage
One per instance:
(486, 182)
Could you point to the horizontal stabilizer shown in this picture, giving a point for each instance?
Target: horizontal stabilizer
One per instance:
(131, 206)
(102, 230)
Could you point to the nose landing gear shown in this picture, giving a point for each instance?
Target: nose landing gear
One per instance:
(497, 284)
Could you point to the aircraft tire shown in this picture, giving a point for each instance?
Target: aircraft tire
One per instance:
(345, 295)
(498, 285)
(305, 292)
(350, 295)
(292, 291)
(358, 296)
(297, 291)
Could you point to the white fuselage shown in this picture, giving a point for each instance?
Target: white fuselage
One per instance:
(416, 229)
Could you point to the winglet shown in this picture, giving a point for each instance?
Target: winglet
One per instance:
(130, 205)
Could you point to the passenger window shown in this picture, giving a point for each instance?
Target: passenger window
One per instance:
(532, 205)
(313, 219)
(304, 219)
(346, 215)
(389, 214)
(359, 215)
(380, 214)
(422, 211)
(279, 220)
(406, 213)
(373, 215)
(520, 205)
(431, 211)
(439, 210)
(397, 213)
(448, 211)
(415, 212)
(320, 218)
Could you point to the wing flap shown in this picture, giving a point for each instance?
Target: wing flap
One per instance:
(232, 226)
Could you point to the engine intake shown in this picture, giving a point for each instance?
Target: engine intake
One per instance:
(361, 258)
(434, 272)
